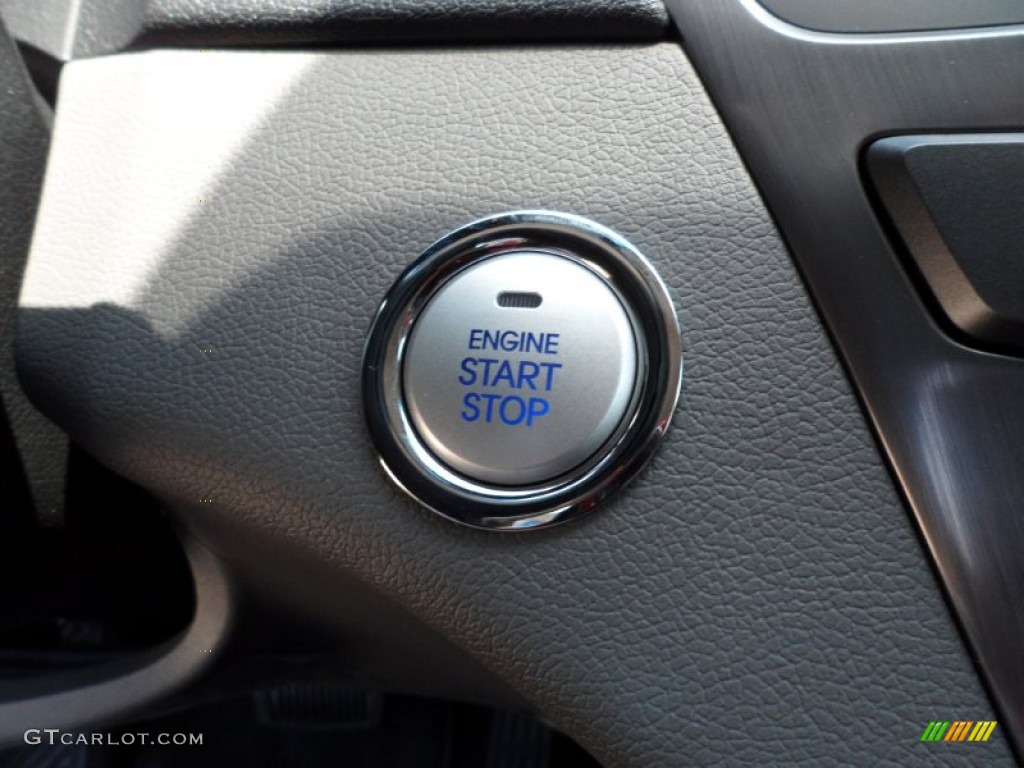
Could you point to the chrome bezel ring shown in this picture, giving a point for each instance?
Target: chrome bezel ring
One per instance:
(420, 474)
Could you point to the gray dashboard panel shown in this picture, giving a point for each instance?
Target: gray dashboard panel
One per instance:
(758, 596)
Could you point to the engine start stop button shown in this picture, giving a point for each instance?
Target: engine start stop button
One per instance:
(520, 368)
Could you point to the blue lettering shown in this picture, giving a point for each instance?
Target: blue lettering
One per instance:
(492, 372)
(491, 339)
(520, 415)
(514, 341)
(538, 407)
(489, 417)
(509, 341)
(468, 376)
(527, 378)
(550, 368)
(504, 375)
(533, 340)
(488, 362)
(510, 410)
(472, 411)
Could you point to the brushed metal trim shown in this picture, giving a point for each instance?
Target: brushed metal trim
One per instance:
(788, 28)
(801, 106)
(826, 17)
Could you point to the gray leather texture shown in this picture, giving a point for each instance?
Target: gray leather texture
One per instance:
(68, 29)
(24, 138)
(757, 597)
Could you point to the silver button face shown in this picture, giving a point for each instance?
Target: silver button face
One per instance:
(520, 368)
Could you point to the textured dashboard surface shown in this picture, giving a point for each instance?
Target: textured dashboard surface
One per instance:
(756, 597)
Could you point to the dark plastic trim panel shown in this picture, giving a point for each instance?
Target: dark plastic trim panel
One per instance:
(896, 15)
(35, 450)
(93, 696)
(801, 106)
(958, 203)
(69, 30)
